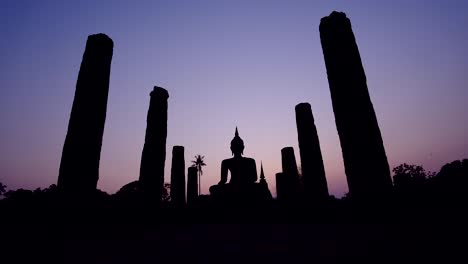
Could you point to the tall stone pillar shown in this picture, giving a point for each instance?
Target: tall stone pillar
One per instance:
(313, 171)
(79, 166)
(365, 161)
(154, 150)
(178, 177)
(192, 185)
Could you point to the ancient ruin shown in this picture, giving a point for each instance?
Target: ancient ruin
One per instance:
(79, 166)
(313, 171)
(264, 185)
(290, 182)
(365, 161)
(242, 187)
(192, 185)
(288, 162)
(280, 187)
(363, 151)
(178, 177)
(154, 150)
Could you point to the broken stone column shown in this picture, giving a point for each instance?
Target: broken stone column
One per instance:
(178, 177)
(192, 185)
(313, 171)
(288, 162)
(280, 187)
(365, 161)
(290, 174)
(79, 166)
(154, 150)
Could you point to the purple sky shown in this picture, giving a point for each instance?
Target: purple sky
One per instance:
(227, 64)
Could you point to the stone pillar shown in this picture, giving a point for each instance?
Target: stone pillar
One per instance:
(79, 167)
(365, 161)
(154, 150)
(280, 187)
(178, 177)
(290, 174)
(192, 185)
(313, 171)
(288, 162)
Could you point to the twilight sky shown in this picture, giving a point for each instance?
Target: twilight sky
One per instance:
(226, 64)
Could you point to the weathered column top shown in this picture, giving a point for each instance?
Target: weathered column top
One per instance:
(335, 18)
(100, 38)
(178, 149)
(159, 91)
(287, 150)
(303, 106)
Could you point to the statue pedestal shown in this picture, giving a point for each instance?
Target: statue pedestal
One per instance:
(240, 195)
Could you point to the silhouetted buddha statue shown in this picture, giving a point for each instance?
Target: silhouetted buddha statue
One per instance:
(243, 170)
(242, 185)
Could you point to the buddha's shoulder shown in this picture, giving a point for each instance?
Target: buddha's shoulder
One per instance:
(249, 159)
(227, 160)
(243, 159)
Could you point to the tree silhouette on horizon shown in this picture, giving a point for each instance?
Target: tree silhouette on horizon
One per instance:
(2, 189)
(199, 163)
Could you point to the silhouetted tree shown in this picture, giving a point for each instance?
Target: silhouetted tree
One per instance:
(454, 171)
(2, 189)
(199, 163)
(19, 195)
(129, 188)
(131, 193)
(166, 197)
(451, 182)
(49, 194)
(410, 183)
(409, 175)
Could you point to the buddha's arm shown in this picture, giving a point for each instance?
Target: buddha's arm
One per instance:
(253, 169)
(224, 172)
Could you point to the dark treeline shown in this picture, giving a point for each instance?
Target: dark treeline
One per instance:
(413, 187)
(424, 221)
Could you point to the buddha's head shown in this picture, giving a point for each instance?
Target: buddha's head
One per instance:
(237, 145)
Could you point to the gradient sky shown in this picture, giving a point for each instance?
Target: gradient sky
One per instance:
(227, 64)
